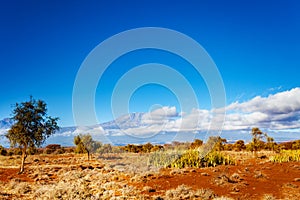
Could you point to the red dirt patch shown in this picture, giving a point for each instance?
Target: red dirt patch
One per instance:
(254, 179)
(7, 174)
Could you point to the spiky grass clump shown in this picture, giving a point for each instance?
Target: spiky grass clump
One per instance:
(193, 158)
(286, 156)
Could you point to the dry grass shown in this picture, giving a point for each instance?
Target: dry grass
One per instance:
(116, 176)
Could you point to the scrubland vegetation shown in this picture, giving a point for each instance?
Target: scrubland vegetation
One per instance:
(92, 170)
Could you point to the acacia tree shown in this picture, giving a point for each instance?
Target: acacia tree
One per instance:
(270, 145)
(31, 127)
(257, 140)
(86, 144)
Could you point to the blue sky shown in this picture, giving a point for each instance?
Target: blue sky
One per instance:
(255, 45)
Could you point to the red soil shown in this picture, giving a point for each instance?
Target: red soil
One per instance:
(7, 174)
(255, 180)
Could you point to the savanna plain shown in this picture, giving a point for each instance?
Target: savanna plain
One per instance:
(258, 170)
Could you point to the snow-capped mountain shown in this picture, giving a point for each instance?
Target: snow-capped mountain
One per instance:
(125, 121)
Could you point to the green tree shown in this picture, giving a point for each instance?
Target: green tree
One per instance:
(270, 145)
(32, 126)
(86, 144)
(257, 140)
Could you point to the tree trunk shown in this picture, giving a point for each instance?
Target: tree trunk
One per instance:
(88, 153)
(255, 154)
(24, 155)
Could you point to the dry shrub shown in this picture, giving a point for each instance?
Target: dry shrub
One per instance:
(185, 192)
(19, 187)
(268, 197)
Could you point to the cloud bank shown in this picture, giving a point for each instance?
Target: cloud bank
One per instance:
(280, 111)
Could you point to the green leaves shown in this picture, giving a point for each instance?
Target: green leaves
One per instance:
(32, 125)
(86, 144)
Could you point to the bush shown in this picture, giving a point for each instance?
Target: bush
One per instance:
(146, 148)
(59, 151)
(53, 146)
(3, 151)
(69, 149)
(48, 151)
(31, 151)
(197, 143)
(17, 151)
(239, 145)
(296, 145)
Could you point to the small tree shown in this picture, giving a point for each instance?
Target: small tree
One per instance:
(257, 140)
(31, 126)
(86, 144)
(270, 145)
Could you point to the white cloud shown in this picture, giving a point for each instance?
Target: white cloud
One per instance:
(279, 103)
(159, 116)
(276, 112)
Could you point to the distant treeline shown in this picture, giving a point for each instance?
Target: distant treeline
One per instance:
(220, 144)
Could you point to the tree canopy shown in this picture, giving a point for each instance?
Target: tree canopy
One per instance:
(86, 144)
